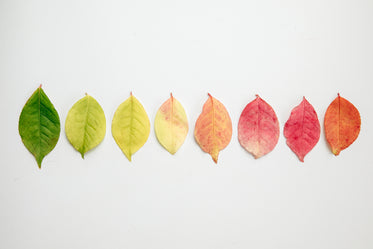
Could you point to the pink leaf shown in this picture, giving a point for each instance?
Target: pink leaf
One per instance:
(302, 130)
(258, 128)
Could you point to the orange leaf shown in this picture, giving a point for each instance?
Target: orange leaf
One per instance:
(342, 124)
(213, 130)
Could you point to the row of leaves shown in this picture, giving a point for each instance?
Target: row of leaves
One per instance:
(258, 126)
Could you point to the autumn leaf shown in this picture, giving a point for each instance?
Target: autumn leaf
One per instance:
(130, 126)
(171, 125)
(302, 130)
(258, 128)
(213, 130)
(342, 124)
(85, 124)
(39, 125)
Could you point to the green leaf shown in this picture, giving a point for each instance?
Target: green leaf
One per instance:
(130, 126)
(39, 125)
(85, 125)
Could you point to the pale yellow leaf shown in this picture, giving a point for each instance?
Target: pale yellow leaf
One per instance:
(171, 125)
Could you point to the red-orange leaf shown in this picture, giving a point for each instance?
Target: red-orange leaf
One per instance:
(342, 124)
(302, 130)
(258, 128)
(213, 129)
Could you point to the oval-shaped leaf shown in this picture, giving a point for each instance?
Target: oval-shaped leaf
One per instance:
(39, 125)
(258, 128)
(85, 124)
(213, 130)
(342, 124)
(302, 130)
(171, 125)
(130, 126)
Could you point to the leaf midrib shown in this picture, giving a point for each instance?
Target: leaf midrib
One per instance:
(172, 128)
(303, 114)
(213, 123)
(131, 127)
(39, 130)
(85, 128)
(258, 126)
(339, 121)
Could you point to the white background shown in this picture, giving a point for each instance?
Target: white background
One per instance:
(282, 50)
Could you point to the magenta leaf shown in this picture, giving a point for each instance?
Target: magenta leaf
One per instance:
(302, 130)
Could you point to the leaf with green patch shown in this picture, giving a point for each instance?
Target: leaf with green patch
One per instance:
(85, 125)
(130, 126)
(39, 125)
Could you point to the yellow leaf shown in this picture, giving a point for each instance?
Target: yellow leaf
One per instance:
(85, 124)
(171, 125)
(130, 126)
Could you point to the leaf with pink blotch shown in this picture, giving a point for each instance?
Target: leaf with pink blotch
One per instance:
(258, 128)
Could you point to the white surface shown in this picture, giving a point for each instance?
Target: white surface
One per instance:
(281, 50)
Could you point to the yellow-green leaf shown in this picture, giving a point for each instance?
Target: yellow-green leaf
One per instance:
(130, 126)
(39, 125)
(85, 125)
(171, 125)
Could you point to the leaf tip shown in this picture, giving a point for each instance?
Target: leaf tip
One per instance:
(257, 95)
(40, 86)
(214, 155)
(82, 154)
(128, 156)
(336, 152)
(39, 159)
